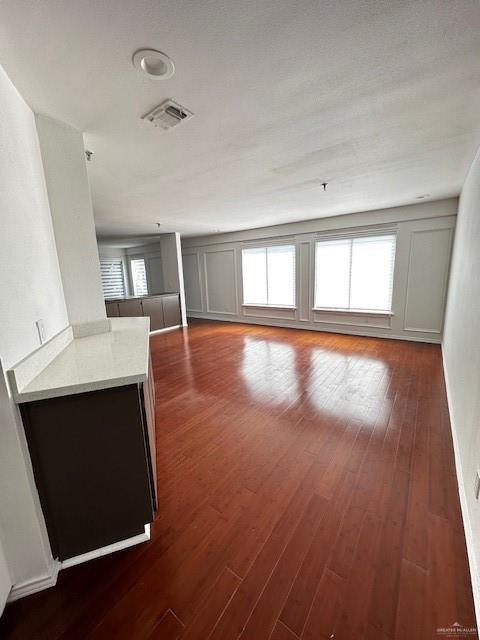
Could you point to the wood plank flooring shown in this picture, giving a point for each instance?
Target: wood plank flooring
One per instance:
(307, 490)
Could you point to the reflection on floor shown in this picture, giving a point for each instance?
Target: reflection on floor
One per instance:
(306, 490)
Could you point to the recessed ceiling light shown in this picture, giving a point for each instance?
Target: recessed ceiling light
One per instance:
(154, 63)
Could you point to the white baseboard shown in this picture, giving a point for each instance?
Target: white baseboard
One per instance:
(309, 327)
(45, 582)
(176, 326)
(474, 574)
(109, 548)
(36, 584)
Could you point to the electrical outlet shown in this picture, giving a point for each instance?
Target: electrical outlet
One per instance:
(41, 330)
(477, 484)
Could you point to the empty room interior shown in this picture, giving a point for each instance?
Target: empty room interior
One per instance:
(239, 319)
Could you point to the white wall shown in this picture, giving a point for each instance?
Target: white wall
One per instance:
(173, 277)
(163, 264)
(31, 289)
(63, 155)
(153, 263)
(152, 255)
(213, 273)
(461, 353)
(106, 252)
(5, 579)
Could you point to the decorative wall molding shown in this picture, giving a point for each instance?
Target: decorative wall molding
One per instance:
(269, 312)
(353, 320)
(311, 327)
(415, 233)
(304, 261)
(220, 290)
(196, 255)
(234, 279)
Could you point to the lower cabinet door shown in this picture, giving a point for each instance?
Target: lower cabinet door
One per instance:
(153, 307)
(112, 309)
(89, 454)
(171, 310)
(130, 308)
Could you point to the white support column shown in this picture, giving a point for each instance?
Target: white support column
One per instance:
(64, 163)
(172, 267)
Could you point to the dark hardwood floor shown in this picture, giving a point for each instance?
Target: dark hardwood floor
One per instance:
(306, 490)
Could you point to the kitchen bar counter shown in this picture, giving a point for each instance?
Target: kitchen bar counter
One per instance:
(163, 309)
(87, 401)
(114, 358)
(150, 295)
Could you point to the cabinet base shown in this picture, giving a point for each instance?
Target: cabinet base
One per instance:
(45, 582)
(176, 326)
(110, 548)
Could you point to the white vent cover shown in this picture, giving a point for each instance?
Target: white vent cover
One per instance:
(167, 115)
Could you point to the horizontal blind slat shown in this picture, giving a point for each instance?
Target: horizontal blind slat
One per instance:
(111, 272)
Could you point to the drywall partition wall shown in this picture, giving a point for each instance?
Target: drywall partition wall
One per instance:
(173, 268)
(193, 283)
(107, 253)
(5, 579)
(427, 279)
(213, 273)
(30, 290)
(461, 354)
(153, 265)
(63, 155)
(220, 270)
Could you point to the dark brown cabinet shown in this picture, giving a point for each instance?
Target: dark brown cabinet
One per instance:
(112, 309)
(171, 310)
(163, 310)
(94, 463)
(130, 308)
(153, 307)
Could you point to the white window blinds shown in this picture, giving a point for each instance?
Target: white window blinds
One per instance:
(113, 282)
(139, 277)
(355, 273)
(269, 275)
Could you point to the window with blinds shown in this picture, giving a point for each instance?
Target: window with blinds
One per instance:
(113, 282)
(269, 276)
(139, 277)
(355, 274)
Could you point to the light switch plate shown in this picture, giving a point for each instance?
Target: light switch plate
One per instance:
(41, 330)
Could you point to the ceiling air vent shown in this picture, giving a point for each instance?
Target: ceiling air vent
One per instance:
(167, 115)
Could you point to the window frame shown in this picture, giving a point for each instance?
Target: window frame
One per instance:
(351, 237)
(131, 259)
(266, 246)
(112, 260)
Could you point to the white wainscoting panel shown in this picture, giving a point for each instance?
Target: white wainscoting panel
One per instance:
(154, 273)
(351, 319)
(191, 277)
(420, 277)
(269, 312)
(305, 249)
(220, 281)
(427, 280)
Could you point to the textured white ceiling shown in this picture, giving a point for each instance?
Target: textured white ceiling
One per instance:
(378, 98)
